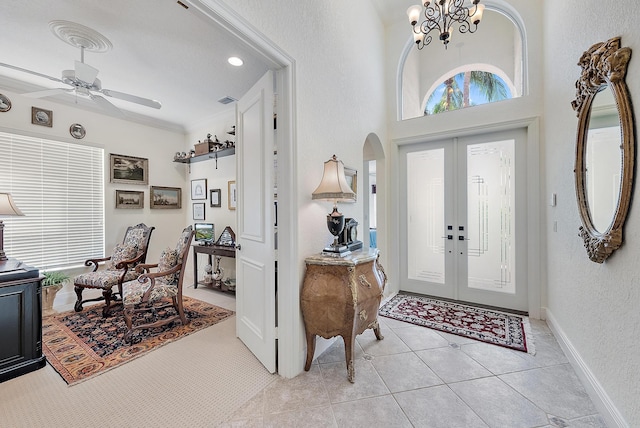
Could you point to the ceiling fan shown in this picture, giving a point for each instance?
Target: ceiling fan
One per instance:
(82, 80)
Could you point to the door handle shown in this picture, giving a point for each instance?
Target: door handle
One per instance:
(449, 237)
(239, 247)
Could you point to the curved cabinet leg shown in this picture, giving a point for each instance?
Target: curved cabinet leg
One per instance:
(311, 349)
(349, 343)
(377, 331)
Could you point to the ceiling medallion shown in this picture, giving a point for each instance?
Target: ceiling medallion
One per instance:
(80, 36)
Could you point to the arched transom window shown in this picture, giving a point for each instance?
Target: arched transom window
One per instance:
(479, 68)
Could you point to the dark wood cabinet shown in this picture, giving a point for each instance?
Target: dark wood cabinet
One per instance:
(20, 323)
(340, 297)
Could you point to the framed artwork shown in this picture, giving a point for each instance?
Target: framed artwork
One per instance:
(129, 199)
(198, 211)
(40, 116)
(5, 103)
(77, 131)
(233, 195)
(215, 198)
(199, 189)
(352, 179)
(129, 169)
(165, 197)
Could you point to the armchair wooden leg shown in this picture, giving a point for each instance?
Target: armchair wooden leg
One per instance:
(177, 303)
(78, 305)
(128, 316)
(107, 293)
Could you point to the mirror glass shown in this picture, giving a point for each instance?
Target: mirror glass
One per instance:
(603, 160)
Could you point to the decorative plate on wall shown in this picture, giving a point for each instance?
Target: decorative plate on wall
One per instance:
(5, 103)
(77, 131)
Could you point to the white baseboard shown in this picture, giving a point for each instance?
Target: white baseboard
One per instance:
(598, 395)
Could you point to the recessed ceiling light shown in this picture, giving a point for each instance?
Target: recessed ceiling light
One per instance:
(234, 60)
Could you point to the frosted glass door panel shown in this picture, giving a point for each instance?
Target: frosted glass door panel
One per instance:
(491, 219)
(425, 209)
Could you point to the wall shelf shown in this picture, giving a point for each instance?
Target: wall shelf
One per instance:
(211, 155)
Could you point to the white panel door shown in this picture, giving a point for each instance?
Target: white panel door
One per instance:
(466, 222)
(255, 258)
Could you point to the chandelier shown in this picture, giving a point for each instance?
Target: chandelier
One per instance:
(440, 16)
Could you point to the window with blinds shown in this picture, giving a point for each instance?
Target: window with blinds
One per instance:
(60, 189)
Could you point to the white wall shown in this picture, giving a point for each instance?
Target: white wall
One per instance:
(594, 305)
(120, 137)
(339, 99)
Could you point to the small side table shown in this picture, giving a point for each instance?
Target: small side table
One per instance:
(340, 297)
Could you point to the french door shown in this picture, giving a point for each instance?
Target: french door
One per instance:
(464, 201)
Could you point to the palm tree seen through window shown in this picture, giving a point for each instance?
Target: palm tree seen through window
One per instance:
(467, 89)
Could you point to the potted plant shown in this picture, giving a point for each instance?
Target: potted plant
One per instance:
(52, 282)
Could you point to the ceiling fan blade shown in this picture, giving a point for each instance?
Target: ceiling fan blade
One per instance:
(132, 98)
(105, 104)
(47, 92)
(85, 72)
(24, 70)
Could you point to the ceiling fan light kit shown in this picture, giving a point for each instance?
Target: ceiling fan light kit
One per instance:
(83, 79)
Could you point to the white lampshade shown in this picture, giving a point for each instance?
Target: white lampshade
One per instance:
(334, 185)
(8, 206)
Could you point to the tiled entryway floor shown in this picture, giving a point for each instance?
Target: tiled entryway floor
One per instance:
(423, 378)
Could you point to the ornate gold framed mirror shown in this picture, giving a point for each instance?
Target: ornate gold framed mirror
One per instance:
(605, 145)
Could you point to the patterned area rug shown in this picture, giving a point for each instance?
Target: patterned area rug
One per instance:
(486, 325)
(80, 345)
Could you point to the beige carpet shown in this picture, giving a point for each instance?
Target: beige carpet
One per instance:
(198, 381)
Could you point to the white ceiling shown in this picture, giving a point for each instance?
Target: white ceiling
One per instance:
(160, 51)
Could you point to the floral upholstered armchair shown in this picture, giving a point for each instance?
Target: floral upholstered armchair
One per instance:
(151, 290)
(114, 270)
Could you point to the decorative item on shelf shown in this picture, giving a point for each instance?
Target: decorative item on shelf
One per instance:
(440, 16)
(227, 238)
(208, 277)
(230, 283)
(192, 153)
(218, 274)
(5, 103)
(233, 130)
(7, 208)
(334, 187)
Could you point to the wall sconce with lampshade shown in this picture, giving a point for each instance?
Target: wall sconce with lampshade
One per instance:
(334, 187)
(7, 208)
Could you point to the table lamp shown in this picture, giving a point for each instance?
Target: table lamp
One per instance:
(334, 187)
(7, 207)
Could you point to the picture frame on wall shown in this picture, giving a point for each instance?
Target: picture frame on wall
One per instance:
(165, 197)
(352, 179)
(232, 195)
(130, 199)
(199, 189)
(42, 117)
(215, 197)
(198, 211)
(129, 169)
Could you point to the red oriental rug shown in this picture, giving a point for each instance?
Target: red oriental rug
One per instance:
(486, 325)
(80, 345)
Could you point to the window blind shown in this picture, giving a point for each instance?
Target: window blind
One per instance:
(60, 188)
